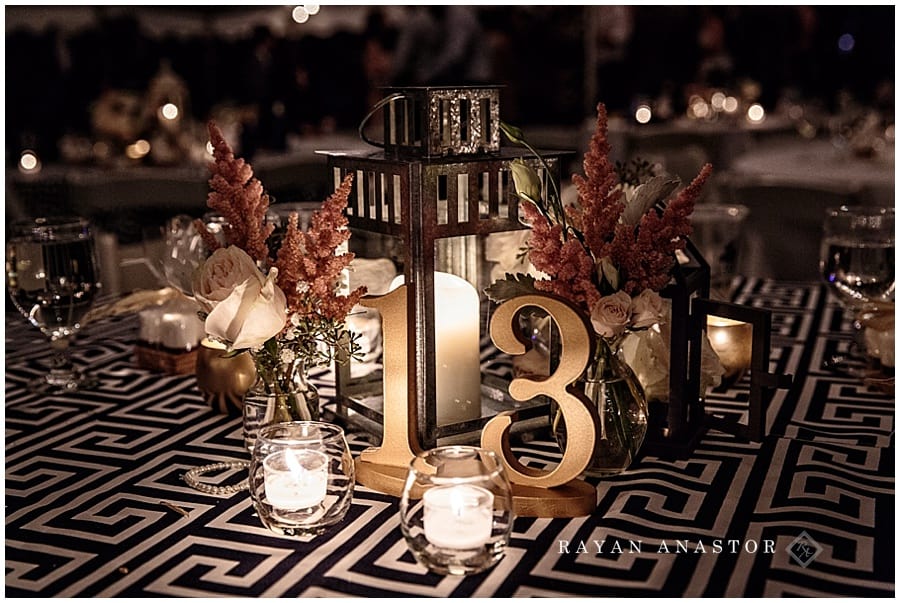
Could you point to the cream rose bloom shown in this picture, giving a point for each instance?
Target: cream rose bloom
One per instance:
(647, 309)
(225, 269)
(611, 314)
(245, 309)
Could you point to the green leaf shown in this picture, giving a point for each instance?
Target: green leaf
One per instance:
(512, 132)
(513, 285)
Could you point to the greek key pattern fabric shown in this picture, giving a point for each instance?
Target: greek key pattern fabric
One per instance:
(96, 505)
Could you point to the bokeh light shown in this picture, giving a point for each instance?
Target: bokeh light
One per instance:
(29, 162)
(718, 101)
(846, 43)
(137, 150)
(756, 113)
(169, 111)
(730, 104)
(643, 114)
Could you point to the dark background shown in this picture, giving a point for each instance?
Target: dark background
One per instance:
(322, 81)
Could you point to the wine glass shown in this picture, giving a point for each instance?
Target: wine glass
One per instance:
(185, 251)
(857, 261)
(53, 279)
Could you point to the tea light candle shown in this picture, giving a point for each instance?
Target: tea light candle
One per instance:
(296, 479)
(732, 341)
(458, 517)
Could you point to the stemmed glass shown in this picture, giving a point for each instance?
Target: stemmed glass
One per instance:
(857, 260)
(53, 279)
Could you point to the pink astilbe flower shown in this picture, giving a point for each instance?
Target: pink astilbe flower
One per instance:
(239, 198)
(646, 254)
(301, 282)
(599, 198)
(568, 264)
(589, 251)
(309, 267)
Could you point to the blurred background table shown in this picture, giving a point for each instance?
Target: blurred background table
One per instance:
(89, 475)
(819, 164)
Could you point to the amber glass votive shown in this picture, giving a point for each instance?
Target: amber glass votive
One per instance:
(733, 342)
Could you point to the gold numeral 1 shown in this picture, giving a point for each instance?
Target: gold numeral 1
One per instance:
(400, 443)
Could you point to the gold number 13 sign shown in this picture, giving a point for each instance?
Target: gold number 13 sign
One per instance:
(536, 493)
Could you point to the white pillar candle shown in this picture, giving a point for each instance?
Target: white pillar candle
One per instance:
(295, 479)
(458, 517)
(457, 350)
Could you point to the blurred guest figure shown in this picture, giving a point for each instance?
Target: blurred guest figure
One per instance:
(378, 56)
(611, 31)
(258, 77)
(441, 45)
(716, 65)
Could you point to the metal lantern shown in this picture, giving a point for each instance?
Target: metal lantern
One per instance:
(428, 198)
(677, 424)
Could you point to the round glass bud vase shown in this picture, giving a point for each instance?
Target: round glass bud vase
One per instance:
(301, 477)
(615, 391)
(456, 509)
(282, 392)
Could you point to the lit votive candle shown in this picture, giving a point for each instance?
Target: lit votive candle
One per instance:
(458, 517)
(732, 341)
(296, 479)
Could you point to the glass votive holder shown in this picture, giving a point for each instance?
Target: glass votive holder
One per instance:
(456, 509)
(732, 341)
(301, 477)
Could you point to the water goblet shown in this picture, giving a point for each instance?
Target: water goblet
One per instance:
(857, 260)
(53, 279)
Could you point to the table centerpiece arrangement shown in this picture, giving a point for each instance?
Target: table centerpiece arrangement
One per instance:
(609, 254)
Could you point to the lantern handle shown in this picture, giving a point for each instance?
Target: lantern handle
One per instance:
(372, 111)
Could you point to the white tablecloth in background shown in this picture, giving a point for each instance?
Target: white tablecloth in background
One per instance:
(817, 163)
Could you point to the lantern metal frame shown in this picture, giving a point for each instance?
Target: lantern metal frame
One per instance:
(419, 189)
(761, 380)
(677, 425)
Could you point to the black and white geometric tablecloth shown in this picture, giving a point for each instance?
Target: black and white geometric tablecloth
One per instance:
(809, 511)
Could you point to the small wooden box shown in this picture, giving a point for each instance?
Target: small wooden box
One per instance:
(173, 362)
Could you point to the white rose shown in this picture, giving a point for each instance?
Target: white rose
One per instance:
(225, 269)
(647, 310)
(647, 353)
(245, 309)
(251, 315)
(611, 314)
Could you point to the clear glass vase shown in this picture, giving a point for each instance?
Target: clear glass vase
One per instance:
(614, 390)
(282, 392)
